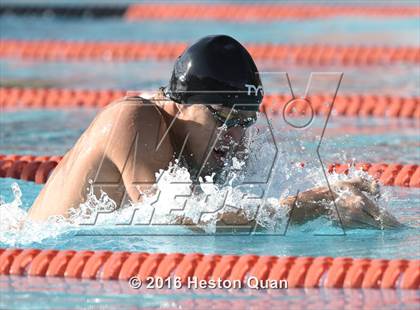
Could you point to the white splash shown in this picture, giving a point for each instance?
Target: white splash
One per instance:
(16, 229)
(272, 173)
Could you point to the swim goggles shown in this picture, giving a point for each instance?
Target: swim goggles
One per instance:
(232, 118)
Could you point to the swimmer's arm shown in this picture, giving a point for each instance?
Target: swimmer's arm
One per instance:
(308, 208)
(356, 209)
(308, 205)
(226, 221)
(133, 148)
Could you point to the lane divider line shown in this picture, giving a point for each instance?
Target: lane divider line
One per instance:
(315, 54)
(361, 105)
(300, 272)
(260, 12)
(38, 168)
(68, 11)
(222, 12)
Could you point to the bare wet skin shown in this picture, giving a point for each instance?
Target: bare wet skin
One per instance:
(347, 203)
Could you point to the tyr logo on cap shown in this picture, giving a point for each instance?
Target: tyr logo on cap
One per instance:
(254, 88)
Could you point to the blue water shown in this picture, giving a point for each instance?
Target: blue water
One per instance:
(42, 132)
(53, 132)
(340, 30)
(62, 293)
(295, 241)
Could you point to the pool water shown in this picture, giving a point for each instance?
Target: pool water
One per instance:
(53, 132)
(88, 294)
(402, 243)
(293, 147)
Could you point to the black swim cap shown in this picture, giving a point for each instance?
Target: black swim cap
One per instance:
(216, 70)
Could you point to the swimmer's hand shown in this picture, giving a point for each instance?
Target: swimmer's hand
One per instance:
(355, 209)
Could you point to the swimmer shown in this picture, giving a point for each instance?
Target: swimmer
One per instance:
(200, 118)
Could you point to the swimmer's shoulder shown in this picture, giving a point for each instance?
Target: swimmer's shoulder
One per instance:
(128, 104)
(131, 109)
(125, 110)
(135, 99)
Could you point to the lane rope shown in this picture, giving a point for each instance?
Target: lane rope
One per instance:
(260, 12)
(38, 168)
(345, 105)
(300, 272)
(221, 12)
(66, 11)
(52, 50)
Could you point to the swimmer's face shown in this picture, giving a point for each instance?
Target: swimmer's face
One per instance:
(211, 143)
